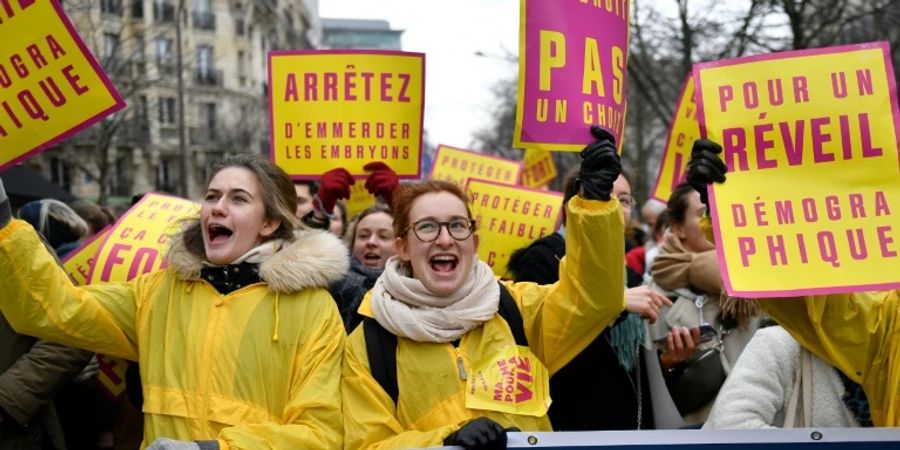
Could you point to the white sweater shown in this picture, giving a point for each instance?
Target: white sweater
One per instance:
(757, 391)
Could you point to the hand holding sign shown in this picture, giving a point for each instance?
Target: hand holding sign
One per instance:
(600, 166)
(335, 185)
(382, 182)
(705, 167)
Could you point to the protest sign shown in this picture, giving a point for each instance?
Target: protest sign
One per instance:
(50, 85)
(78, 262)
(683, 131)
(458, 165)
(540, 168)
(137, 242)
(810, 139)
(572, 59)
(512, 380)
(510, 217)
(345, 108)
(360, 199)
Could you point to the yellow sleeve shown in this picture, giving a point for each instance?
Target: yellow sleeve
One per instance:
(312, 417)
(40, 300)
(850, 331)
(561, 319)
(370, 421)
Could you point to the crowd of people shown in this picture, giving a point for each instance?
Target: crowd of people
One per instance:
(279, 323)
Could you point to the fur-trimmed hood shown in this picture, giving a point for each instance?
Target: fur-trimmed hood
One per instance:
(314, 259)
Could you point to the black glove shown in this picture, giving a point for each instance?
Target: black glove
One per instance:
(705, 167)
(481, 433)
(5, 209)
(600, 166)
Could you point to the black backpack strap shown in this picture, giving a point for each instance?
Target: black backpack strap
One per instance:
(509, 311)
(381, 344)
(381, 347)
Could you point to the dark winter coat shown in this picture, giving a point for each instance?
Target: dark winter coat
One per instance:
(349, 292)
(31, 373)
(593, 391)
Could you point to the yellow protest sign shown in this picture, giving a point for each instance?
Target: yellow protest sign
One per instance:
(810, 139)
(512, 381)
(345, 108)
(540, 168)
(683, 131)
(78, 262)
(111, 373)
(50, 84)
(510, 217)
(458, 165)
(136, 244)
(360, 199)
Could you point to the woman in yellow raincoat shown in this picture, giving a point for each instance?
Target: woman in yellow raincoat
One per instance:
(238, 341)
(460, 377)
(858, 333)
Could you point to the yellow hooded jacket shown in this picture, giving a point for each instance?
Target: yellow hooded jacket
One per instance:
(560, 320)
(258, 368)
(858, 333)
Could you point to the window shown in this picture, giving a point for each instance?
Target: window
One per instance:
(163, 11)
(241, 68)
(59, 172)
(140, 110)
(208, 120)
(165, 179)
(164, 57)
(204, 60)
(239, 26)
(206, 74)
(137, 9)
(140, 54)
(112, 7)
(167, 110)
(110, 47)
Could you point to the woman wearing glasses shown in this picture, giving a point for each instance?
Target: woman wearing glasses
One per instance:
(436, 361)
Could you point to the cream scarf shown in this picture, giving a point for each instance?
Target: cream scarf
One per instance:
(403, 306)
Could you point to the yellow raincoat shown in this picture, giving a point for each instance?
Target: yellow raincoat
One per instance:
(258, 368)
(560, 320)
(859, 334)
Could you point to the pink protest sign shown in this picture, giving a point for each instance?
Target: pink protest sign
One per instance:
(572, 59)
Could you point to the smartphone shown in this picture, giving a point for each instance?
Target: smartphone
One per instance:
(707, 333)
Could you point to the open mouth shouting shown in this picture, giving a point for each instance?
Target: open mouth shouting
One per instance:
(444, 263)
(218, 234)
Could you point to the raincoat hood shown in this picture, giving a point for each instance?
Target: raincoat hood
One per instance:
(314, 259)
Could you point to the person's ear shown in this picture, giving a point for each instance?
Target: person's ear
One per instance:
(269, 227)
(402, 248)
(678, 230)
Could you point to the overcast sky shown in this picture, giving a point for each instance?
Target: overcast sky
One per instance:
(457, 82)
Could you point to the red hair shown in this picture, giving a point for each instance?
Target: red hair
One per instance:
(406, 194)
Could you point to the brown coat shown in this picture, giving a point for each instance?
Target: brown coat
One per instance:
(31, 372)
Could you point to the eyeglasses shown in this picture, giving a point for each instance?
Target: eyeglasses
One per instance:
(626, 201)
(428, 230)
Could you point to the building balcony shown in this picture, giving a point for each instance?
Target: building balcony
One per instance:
(204, 20)
(165, 69)
(202, 136)
(163, 12)
(208, 77)
(134, 133)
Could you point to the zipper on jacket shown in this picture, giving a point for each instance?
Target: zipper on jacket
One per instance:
(460, 365)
